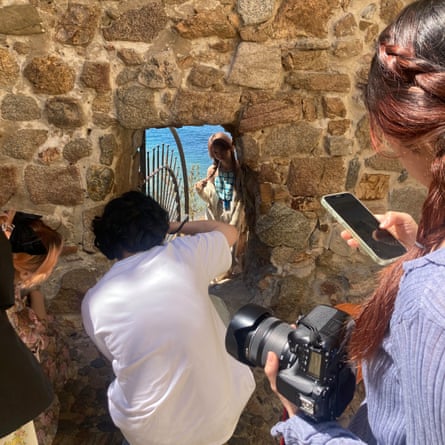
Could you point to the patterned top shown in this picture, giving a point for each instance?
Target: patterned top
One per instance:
(44, 339)
(224, 184)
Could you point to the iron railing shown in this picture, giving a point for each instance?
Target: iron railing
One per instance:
(164, 176)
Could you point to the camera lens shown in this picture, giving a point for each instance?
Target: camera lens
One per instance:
(253, 332)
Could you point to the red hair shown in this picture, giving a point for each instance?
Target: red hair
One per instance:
(405, 98)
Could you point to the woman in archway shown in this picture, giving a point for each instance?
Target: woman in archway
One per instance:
(221, 191)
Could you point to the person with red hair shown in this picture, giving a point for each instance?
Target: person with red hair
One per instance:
(35, 249)
(399, 337)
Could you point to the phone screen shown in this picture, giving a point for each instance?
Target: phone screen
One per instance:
(364, 225)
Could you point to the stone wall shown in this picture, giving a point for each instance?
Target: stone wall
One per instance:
(79, 81)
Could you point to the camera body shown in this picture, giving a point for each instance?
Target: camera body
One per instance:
(314, 373)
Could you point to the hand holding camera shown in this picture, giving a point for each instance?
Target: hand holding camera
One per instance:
(271, 370)
(313, 370)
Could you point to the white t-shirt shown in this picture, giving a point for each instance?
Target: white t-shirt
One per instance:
(151, 316)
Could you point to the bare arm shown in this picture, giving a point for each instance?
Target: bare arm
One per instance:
(194, 227)
(200, 185)
(37, 303)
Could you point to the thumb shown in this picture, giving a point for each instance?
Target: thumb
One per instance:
(271, 368)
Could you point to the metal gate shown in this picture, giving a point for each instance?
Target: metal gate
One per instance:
(164, 176)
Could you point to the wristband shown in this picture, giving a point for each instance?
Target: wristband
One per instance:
(186, 218)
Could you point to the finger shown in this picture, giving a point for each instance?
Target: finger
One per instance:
(392, 218)
(345, 235)
(271, 366)
(353, 243)
(387, 220)
(271, 369)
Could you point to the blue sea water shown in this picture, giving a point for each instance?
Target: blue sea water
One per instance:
(193, 140)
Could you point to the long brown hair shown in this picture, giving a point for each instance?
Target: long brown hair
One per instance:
(405, 98)
(224, 142)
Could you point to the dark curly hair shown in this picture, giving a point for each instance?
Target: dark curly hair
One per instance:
(133, 222)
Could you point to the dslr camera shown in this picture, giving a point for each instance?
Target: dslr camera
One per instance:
(314, 372)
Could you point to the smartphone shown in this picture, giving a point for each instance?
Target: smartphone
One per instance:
(355, 217)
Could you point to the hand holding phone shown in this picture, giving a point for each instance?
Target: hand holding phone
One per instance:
(364, 227)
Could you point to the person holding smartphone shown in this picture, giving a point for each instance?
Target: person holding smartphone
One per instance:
(399, 337)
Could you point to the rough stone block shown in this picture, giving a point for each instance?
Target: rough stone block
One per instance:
(256, 66)
(195, 108)
(64, 112)
(207, 23)
(24, 143)
(283, 226)
(77, 149)
(373, 186)
(304, 18)
(78, 25)
(315, 176)
(254, 12)
(345, 26)
(55, 185)
(135, 107)
(408, 199)
(268, 114)
(381, 162)
(20, 20)
(333, 107)
(339, 127)
(18, 107)
(137, 25)
(108, 149)
(9, 68)
(306, 60)
(290, 140)
(96, 75)
(339, 145)
(316, 81)
(50, 75)
(100, 180)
